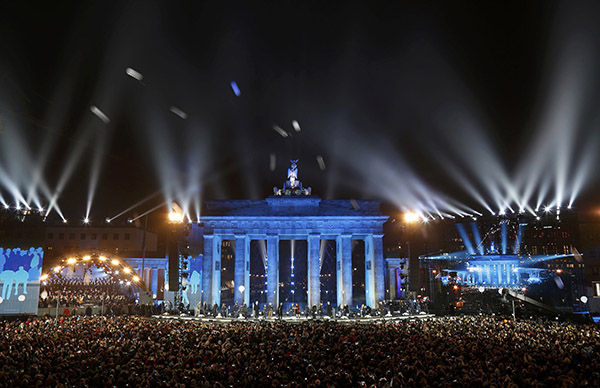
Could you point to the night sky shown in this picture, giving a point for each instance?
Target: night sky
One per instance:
(391, 96)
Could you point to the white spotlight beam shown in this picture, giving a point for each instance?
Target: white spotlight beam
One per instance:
(148, 212)
(153, 195)
(95, 171)
(69, 168)
(584, 167)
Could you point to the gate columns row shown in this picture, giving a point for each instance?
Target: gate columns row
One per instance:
(374, 269)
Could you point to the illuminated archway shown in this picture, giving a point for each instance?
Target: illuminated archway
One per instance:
(116, 268)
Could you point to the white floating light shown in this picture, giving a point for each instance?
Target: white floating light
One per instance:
(321, 162)
(134, 74)
(280, 131)
(100, 114)
(296, 126)
(179, 112)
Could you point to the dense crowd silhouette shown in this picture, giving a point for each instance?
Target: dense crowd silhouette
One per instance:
(467, 351)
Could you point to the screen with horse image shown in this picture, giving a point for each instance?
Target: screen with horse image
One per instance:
(20, 271)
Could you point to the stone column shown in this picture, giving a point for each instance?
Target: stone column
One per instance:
(207, 262)
(378, 267)
(211, 269)
(241, 276)
(247, 273)
(370, 295)
(393, 283)
(314, 273)
(216, 275)
(273, 270)
(154, 284)
(344, 269)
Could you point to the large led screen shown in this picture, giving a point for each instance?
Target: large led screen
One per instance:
(20, 280)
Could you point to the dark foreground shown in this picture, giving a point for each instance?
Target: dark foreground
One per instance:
(449, 352)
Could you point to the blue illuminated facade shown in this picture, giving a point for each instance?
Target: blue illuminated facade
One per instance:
(510, 271)
(292, 213)
(507, 256)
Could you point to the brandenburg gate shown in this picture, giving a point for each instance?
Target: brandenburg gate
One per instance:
(292, 213)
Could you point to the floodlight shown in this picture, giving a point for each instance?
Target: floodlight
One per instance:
(175, 217)
(411, 217)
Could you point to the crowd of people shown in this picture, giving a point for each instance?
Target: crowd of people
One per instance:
(297, 310)
(444, 352)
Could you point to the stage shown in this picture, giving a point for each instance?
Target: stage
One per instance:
(288, 319)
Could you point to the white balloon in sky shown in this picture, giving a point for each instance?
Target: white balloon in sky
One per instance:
(296, 126)
(134, 74)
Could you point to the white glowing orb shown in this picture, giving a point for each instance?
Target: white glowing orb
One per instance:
(584, 299)
(101, 115)
(280, 131)
(21, 298)
(134, 74)
(178, 112)
(481, 289)
(411, 217)
(175, 216)
(321, 162)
